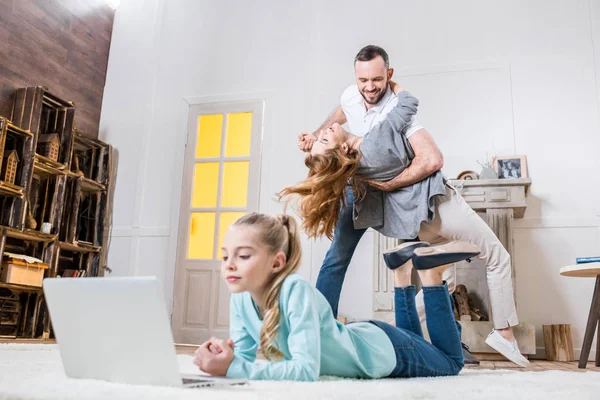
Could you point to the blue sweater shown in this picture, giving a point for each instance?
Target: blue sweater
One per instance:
(312, 341)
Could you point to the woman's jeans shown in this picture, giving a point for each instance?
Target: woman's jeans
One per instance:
(416, 357)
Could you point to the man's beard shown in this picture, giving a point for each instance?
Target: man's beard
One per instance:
(381, 94)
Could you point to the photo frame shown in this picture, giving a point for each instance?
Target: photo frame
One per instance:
(510, 167)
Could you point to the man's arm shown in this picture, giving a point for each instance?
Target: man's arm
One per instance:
(306, 140)
(428, 159)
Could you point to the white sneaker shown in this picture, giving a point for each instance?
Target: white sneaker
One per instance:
(508, 349)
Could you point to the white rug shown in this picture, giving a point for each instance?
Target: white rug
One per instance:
(35, 372)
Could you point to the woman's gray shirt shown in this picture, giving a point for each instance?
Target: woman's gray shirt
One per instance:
(385, 153)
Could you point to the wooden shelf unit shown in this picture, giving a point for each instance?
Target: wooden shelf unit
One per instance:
(66, 187)
(12, 194)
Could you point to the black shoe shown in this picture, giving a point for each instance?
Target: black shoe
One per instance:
(469, 358)
(448, 253)
(399, 255)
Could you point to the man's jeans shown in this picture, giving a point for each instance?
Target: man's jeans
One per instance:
(338, 257)
(416, 357)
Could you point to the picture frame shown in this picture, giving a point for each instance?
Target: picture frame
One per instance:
(510, 167)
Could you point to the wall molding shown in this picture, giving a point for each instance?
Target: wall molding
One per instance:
(450, 68)
(142, 231)
(557, 222)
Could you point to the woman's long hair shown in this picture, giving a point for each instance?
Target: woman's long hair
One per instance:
(322, 194)
(278, 233)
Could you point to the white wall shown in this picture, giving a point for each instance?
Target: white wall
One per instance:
(512, 77)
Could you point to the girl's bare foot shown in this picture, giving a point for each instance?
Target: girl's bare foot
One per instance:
(433, 276)
(403, 274)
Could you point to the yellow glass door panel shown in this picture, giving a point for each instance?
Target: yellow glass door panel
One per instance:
(206, 185)
(210, 131)
(202, 235)
(225, 221)
(235, 184)
(239, 132)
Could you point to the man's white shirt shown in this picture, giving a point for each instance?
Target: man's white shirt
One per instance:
(360, 120)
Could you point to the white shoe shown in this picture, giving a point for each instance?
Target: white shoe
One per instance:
(508, 349)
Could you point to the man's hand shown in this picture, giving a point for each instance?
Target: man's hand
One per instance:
(306, 141)
(428, 159)
(214, 356)
(384, 186)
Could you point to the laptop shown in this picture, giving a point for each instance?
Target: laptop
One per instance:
(117, 330)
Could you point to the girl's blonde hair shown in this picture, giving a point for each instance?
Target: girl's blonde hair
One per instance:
(322, 193)
(278, 233)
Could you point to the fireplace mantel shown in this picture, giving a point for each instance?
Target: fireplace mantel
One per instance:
(497, 194)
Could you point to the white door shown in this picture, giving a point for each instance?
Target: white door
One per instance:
(220, 184)
(383, 280)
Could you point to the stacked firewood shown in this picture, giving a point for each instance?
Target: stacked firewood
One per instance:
(463, 306)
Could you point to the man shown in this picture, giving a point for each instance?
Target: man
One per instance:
(363, 106)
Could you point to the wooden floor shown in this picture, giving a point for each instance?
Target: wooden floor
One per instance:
(535, 365)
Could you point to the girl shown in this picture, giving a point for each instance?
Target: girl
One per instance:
(274, 308)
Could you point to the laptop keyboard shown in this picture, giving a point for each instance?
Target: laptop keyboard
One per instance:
(196, 380)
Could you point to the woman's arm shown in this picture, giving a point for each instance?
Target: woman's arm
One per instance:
(304, 342)
(400, 116)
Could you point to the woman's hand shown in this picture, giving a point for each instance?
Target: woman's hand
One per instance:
(214, 356)
(396, 88)
(306, 141)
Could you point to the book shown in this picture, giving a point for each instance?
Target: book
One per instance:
(585, 260)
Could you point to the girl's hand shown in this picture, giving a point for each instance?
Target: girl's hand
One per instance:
(214, 356)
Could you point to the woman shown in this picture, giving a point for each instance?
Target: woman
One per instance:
(274, 308)
(381, 154)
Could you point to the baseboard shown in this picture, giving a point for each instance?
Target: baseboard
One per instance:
(493, 356)
(540, 353)
(27, 341)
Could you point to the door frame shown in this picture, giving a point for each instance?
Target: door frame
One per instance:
(204, 106)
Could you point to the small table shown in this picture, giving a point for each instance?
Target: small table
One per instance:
(590, 270)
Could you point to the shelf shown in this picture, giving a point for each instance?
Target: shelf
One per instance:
(8, 189)
(79, 247)
(45, 166)
(88, 185)
(54, 101)
(86, 141)
(29, 234)
(15, 129)
(22, 288)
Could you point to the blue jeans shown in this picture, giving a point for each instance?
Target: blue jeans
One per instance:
(416, 357)
(345, 239)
